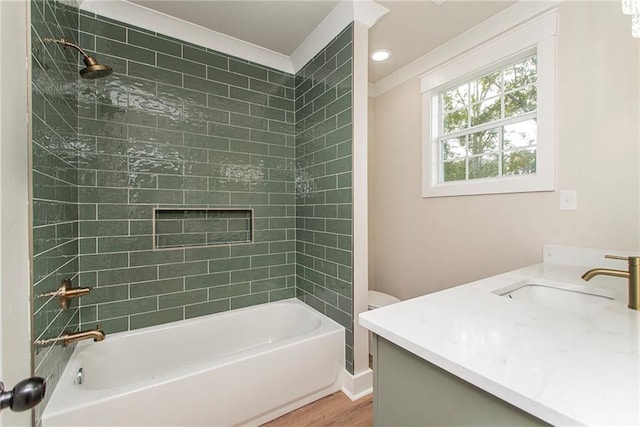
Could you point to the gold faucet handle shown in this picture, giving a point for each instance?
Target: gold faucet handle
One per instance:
(635, 260)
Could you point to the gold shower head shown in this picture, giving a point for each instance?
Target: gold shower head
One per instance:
(94, 70)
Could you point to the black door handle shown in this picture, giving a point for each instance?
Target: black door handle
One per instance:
(25, 395)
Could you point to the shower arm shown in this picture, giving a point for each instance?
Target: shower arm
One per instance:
(93, 70)
(66, 43)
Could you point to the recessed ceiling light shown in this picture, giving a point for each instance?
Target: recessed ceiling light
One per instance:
(380, 55)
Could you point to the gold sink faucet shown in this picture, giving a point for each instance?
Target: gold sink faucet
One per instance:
(633, 274)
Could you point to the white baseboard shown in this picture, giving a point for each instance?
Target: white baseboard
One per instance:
(358, 385)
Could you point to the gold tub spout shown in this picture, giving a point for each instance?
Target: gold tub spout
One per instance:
(70, 337)
(633, 274)
(97, 335)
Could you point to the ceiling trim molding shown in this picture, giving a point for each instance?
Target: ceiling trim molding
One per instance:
(366, 12)
(159, 22)
(489, 29)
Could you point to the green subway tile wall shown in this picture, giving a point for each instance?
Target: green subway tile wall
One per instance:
(54, 180)
(180, 126)
(324, 248)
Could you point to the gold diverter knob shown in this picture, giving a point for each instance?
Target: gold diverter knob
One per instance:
(66, 292)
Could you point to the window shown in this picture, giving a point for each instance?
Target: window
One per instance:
(487, 126)
(489, 118)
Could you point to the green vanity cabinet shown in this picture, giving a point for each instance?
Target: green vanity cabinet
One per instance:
(409, 391)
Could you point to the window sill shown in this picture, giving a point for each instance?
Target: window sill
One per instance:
(516, 184)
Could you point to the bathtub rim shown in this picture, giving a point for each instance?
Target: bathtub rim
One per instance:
(207, 317)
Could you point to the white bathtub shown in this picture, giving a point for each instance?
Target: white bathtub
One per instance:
(242, 367)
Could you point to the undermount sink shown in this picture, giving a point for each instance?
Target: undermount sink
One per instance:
(565, 297)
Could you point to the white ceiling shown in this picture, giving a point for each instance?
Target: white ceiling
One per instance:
(410, 29)
(413, 28)
(277, 25)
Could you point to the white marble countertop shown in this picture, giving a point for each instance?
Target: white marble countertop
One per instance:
(564, 368)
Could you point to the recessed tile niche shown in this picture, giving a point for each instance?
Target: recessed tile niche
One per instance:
(189, 227)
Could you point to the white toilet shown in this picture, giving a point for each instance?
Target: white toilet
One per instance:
(377, 300)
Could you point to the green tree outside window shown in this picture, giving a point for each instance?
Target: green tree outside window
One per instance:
(488, 126)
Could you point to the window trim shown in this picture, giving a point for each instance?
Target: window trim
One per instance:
(538, 35)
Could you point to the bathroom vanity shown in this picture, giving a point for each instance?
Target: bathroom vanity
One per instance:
(413, 392)
(535, 346)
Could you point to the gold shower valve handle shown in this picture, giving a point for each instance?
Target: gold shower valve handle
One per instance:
(66, 292)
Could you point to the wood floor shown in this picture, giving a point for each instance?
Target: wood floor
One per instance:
(334, 410)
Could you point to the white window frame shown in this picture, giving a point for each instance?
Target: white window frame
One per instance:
(537, 35)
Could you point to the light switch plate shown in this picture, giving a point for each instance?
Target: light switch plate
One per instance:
(568, 200)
